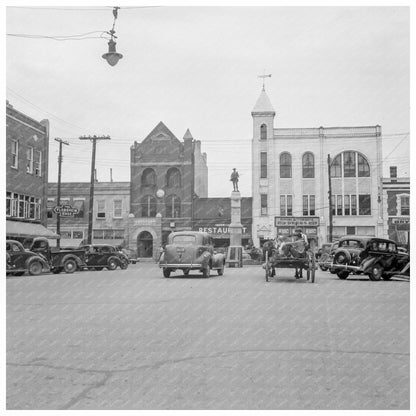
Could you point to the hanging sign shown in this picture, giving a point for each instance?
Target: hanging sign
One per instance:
(65, 210)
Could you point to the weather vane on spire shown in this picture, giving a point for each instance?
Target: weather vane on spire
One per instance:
(264, 76)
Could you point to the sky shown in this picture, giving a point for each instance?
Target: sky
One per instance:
(197, 68)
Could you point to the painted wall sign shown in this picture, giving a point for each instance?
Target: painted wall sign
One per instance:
(296, 221)
(65, 210)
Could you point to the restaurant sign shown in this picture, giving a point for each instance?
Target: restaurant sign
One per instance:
(217, 230)
(296, 221)
(65, 210)
(400, 220)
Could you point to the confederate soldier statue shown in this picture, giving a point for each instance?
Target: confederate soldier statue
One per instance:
(234, 179)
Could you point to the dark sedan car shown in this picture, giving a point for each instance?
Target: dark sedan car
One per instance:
(19, 261)
(100, 256)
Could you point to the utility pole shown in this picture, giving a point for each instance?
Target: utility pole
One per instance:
(93, 139)
(58, 201)
(330, 199)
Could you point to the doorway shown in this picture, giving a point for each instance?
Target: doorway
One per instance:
(145, 244)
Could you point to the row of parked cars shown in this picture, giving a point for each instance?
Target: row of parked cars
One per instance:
(378, 258)
(40, 257)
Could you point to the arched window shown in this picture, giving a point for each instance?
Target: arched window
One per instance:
(148, 177)
(285, 165)
(336, 167)
(363, 166)
(148, 204)
(173, 206)
(349, 164)
(173, 178)
(308, 165)
(263, 132)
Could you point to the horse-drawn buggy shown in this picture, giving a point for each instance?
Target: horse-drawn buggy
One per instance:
(298, 255)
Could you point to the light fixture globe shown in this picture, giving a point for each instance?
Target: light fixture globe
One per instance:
(112, 56)
(160, 193)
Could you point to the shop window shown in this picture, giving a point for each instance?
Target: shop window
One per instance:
(79, 235)
(263, 164)
(350, 230)
(364, 204)
(285, 165)
(308, 165)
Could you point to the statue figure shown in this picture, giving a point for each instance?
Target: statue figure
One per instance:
(234, 179)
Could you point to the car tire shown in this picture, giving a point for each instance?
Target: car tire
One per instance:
(18, 274)
(376, 273)
(124, 264)
(323, 268)
(221, 270)
(57, 270)
(99, 268)
(35, 268)
(342, 257)
(206, 271)
(70, 266)
(186, 272)
(112, 263)
(343, 274)
(166, 273)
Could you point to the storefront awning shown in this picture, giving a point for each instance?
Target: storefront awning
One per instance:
(27, 230)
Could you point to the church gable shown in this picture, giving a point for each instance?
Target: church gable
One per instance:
(161, 141)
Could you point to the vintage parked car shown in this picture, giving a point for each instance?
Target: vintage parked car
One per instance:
(130, 253)
(325, 256)
(349, 254)
(191, 250)
(19, 261)
(100, 256)
(383, 259)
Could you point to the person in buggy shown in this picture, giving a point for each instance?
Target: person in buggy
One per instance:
(295, 248)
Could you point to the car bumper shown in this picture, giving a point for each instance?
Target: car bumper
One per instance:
(181, 265)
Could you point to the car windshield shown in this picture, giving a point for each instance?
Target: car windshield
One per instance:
(352, 244)
(183, 239)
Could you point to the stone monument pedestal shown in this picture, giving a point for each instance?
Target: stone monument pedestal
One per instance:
(235, 251)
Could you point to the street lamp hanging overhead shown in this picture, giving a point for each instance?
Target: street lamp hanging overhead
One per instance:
(112, 56)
